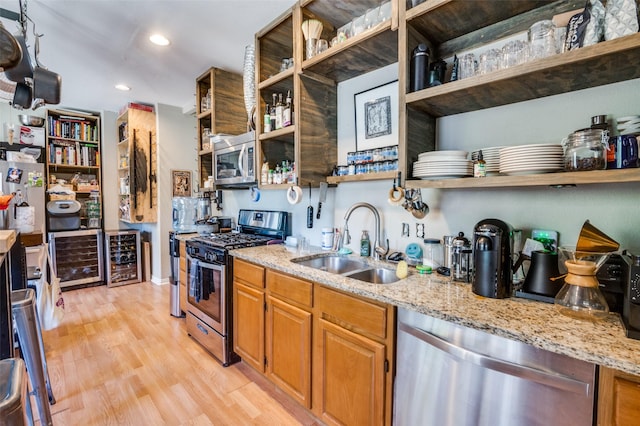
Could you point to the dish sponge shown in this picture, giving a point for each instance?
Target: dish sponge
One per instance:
(402, 270)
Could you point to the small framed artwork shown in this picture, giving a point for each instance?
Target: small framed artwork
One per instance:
(14, 175)
(181, 182)
(376, 113)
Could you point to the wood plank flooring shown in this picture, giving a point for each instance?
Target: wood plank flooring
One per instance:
(119, 358)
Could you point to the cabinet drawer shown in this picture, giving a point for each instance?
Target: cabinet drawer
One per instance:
(352, 312)
(248, 273)
(290, 289)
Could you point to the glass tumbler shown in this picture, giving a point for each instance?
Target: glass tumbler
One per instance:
(542, 39)
(489, 61)
(311, 46)
(514, 53)
(467, 66)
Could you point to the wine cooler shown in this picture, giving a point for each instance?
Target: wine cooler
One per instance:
(77, 256)
(123, 257)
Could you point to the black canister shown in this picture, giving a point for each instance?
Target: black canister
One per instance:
(419, 68)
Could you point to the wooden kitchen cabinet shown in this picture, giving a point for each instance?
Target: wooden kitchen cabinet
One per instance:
(249, 313)
(137, 165)
(219, 110)
(450, 27)
(288, 335)
(330, 351)
(618, 396)
(353, 359)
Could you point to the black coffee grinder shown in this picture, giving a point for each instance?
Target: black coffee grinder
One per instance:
(492, 259)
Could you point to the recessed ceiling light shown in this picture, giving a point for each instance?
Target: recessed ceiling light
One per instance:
(123, 87)
(159, 39)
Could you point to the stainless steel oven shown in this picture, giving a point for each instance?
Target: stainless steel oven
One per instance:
(209, 269)
(208, 299)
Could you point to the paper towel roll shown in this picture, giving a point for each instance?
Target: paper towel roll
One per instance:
(294, 194)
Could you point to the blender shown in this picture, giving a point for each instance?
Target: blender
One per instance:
(580, 297)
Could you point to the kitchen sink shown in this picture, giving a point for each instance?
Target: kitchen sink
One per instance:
(375, 276)
(333, 264)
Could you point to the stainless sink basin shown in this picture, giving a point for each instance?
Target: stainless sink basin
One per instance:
(333, 264)
(375, 276)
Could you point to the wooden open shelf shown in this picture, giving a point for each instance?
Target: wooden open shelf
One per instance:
(544, 179)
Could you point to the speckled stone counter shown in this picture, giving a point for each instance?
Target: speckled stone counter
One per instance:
(536, 323)
(186, 237)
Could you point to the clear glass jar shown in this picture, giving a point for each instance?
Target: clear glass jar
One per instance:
(586, 150)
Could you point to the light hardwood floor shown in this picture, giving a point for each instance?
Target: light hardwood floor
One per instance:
(119, 358)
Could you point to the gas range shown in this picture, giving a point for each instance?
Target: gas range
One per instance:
(232, 240)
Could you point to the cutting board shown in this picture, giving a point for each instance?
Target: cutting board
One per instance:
(7, 238)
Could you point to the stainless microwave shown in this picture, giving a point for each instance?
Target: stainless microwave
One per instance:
(234, 160)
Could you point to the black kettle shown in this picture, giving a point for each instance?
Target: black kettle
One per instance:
(543, 277)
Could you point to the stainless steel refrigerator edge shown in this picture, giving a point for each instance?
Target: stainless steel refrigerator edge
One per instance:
(449, 374)
(33, 195)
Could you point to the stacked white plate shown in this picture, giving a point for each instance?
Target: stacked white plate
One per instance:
(442, 165)
(629, 125)
(491, 157)
(531, 159)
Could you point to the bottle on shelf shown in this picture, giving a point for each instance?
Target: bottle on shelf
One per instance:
(480, 166)
(286, 112)
(264, 176)
(267, 120)
(279, 112)
(273, 113)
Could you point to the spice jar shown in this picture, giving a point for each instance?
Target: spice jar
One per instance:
(586, 150)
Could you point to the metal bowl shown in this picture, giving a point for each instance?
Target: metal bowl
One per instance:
(31, 120)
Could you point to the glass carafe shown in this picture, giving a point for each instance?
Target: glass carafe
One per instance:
(580, 297)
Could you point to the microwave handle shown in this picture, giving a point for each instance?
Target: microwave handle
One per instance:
(241, 159)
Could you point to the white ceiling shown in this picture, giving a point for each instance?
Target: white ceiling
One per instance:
(96, 44)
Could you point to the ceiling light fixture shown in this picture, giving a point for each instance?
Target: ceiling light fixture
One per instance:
(123, 87)
(159, 39)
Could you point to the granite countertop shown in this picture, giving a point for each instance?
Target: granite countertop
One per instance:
(539, 324)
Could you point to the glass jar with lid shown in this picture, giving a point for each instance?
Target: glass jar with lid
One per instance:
(585, 150)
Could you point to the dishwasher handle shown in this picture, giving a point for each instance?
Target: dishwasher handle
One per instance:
(555, 380)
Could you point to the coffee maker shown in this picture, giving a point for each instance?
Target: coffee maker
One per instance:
(492, 275)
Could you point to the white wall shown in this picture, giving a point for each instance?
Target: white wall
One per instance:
(176, 149)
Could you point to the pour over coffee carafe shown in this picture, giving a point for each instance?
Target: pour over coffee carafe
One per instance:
(580, 297)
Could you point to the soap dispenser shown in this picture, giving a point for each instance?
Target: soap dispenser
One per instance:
(365, 244)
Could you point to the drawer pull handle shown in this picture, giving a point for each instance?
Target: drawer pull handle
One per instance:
(201, 328)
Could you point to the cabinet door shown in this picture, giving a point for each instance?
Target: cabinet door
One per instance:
(618, 398)
(248, 324)
(289, 349)
(349, 379)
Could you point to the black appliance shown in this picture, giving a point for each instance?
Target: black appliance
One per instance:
(631, 298)
(613, 278)
(544, 276)
(174, 278)
(210, 269)
(492, 277)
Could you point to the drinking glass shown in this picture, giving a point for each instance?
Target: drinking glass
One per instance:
(467, 66)
(322, 46)
(514, 53)
(385, 12)
(371, 17)
(357, 25)
(489, 61)
(311, 47)
(542, 40)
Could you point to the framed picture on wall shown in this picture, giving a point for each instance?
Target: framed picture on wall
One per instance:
(181, 183)
(376, 112)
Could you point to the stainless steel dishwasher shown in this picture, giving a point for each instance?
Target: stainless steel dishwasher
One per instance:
(451, 375)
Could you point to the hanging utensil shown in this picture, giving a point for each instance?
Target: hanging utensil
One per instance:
(310, 210)
(322, 198)
(10, 50)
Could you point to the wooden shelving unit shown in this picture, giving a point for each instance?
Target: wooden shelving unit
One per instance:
(73, 153)
(448, 27)
(225, 113)
(137, 166)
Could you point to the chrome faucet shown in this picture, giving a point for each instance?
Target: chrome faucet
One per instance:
(379, 252)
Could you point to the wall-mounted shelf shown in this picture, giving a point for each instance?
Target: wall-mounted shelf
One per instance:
(545, 179)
